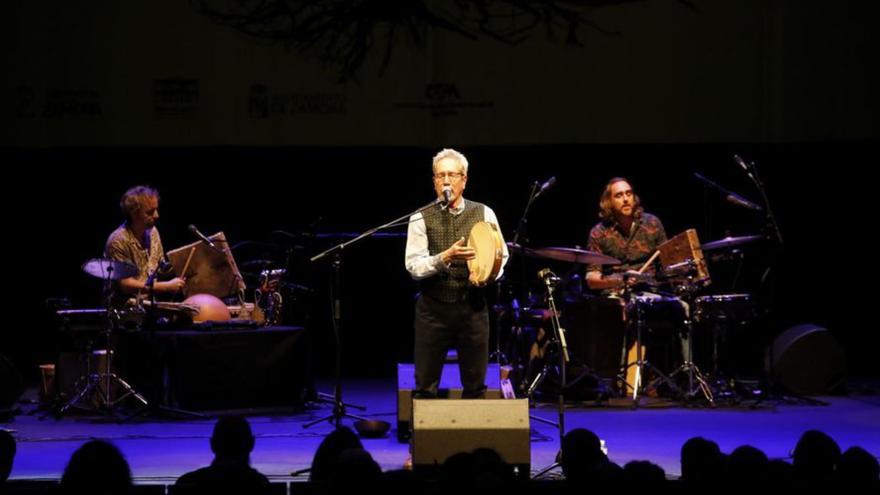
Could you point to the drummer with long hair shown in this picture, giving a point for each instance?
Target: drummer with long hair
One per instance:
(625, 231)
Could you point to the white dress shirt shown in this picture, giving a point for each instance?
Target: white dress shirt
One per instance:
(419, 262)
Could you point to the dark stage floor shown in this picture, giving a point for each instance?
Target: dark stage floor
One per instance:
(161, 450)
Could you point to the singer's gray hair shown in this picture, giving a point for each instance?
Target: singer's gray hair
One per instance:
(134, 199)
(450, 153)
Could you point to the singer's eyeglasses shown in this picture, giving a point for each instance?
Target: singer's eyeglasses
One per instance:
(453, 176)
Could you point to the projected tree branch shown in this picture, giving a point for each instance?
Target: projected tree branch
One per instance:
(342, 33)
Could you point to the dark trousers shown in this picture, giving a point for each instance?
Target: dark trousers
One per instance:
(441, 326)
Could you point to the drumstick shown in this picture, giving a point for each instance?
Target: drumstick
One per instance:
(650, 260)
(188, 259)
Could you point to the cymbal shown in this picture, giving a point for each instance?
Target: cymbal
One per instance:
(572, 255)
(731, 242)
(109, 269)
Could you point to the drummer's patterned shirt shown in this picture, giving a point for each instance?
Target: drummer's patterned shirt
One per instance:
(633, 249)
(122, 245)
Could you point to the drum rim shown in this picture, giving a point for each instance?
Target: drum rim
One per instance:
(480, 263)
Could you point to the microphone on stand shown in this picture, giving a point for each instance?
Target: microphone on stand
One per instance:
(447, 197)
(545, 186)
(202, 237)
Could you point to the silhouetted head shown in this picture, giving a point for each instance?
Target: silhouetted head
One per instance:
(96, 468)
(232, 439)
(581, 451)
(355, 466)
(7, 454)
(328, 452)
(857, 465)
(747, 464)
(701, 461)
(816, 456)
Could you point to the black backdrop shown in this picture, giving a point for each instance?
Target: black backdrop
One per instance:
(62, 203)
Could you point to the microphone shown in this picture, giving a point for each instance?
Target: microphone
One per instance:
(741, 201)
(730, 196)
(545, 186)
(447, 196)
(192, 228)
(744, 166)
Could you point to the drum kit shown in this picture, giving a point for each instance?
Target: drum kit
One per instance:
(101, 389)
(659, 312)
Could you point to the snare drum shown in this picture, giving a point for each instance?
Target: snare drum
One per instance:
(661, 316)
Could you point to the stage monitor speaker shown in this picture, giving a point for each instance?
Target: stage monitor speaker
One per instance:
(442, 428)
(450, 388)
(807, 360)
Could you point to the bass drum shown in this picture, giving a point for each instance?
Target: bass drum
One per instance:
(598, 335)
(595, 330)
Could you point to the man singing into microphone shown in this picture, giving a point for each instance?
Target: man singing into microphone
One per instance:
(450, 312)
(137, 242)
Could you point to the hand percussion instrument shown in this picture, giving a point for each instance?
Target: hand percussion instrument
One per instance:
(486, 241)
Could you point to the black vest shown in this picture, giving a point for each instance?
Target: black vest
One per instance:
(443, 229)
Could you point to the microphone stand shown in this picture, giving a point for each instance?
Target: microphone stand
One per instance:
(550, 280)
(521, 229)
(772, 226)
(150, 285)
(729, 195)
(150, 319)
(771, 218)
(339, 407)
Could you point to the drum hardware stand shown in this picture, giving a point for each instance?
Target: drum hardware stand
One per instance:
(340, 407)
(722, 384)
(641, 364)
(107, 379)
(696, 380)
(697, 383)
